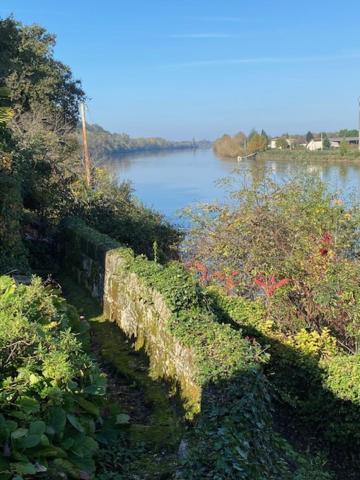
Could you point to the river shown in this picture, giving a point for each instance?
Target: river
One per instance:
(169, 181)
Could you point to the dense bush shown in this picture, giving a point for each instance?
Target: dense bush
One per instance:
(12, 251)
(113, 210)
(234, 438)
(294, 245)
(50, 388)
(311, 375)
(239, 144)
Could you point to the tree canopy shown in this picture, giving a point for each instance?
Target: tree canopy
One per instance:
(282, 143)
(32, 74)
(239, 144)
(41, 173)
(309, 137)
(348, 133)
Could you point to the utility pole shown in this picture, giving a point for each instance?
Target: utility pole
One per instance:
(322, 142)
(87, 163)
(359, 124)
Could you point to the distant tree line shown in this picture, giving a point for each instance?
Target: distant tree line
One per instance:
(104, 144)
(240, 144)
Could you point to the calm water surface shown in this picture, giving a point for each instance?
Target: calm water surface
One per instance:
(170, 181)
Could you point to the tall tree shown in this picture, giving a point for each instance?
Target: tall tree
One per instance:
(265, 135)
(282, 143)
(309, 137)
(33, 76)
(326, 141)
(44, 100)
(257, 143)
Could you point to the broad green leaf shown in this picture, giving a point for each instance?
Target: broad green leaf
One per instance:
(19, 433)
(28, 405)
(38, 427)
(44, 441)
(98, 387)
(57, 419)
(24, 468)
(89, 407)
(75, 422)
(29, 441)
(51, 452)
(68, 443)
(90, 444)
(11, 425)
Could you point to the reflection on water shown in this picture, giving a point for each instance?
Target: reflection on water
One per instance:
(170, 181)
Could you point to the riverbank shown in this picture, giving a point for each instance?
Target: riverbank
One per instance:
(104, 145)
(334, 155)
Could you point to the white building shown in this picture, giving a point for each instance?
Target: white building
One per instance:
(334, 143)
(273, 141)
(314, 145)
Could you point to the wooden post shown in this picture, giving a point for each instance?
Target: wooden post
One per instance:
(359, 125)
(87, 163)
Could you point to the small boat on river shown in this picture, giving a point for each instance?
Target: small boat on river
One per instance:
(251, 156)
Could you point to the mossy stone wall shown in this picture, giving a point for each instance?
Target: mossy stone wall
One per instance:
(142, 313)
(101, 266)
(217, 370)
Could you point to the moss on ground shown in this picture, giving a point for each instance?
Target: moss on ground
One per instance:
(155, 427)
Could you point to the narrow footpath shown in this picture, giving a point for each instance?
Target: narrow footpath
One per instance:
(152, 438)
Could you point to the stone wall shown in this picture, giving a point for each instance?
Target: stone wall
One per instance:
(100, 265)
(84, 254)
(143, 314)
(164, 309)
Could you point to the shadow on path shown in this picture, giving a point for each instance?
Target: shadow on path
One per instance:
(155, 427)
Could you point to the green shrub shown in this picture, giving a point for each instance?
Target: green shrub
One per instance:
(343, 377)
(50, 389)
(294, 246)
(112, 209)
(311, 376)
(12, 249)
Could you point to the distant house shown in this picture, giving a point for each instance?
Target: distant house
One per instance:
(273, 141)
(317, 144)
(314, 145)
(335, 141)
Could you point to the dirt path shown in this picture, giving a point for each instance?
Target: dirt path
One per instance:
(151, 445)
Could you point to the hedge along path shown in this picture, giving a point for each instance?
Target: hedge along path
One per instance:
(163, 308)
(184, 343)
(217, 372)
(155, 427)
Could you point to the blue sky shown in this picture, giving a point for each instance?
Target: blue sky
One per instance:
(199, 68)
